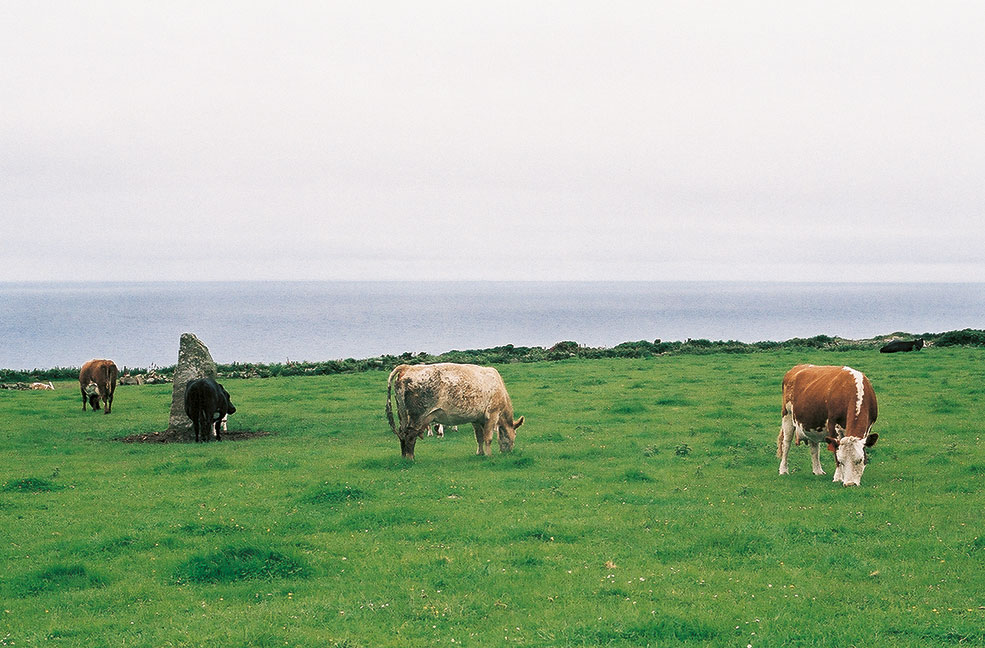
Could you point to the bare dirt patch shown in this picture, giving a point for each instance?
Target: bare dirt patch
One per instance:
(169, 436)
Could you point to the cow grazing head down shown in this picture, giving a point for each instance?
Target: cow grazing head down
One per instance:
(451, 394)
(207, 404)
(97, 382)
(832, 405)
(851, 457)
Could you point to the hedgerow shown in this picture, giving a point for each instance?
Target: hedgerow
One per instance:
(509, 353)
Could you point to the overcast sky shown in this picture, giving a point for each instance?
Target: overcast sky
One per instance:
(501, 140)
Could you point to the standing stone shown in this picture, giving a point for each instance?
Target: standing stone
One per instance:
(194, 361)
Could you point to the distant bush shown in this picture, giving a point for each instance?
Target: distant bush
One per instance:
(816, 342)
(964, 337)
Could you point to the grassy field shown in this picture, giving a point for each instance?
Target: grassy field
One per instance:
(641, 508)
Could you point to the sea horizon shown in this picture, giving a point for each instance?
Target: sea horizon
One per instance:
(46, 324)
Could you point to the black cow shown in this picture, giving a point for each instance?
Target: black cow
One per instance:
(902, 345)
(206, 403)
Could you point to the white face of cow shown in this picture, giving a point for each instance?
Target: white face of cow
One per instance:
(851, 457)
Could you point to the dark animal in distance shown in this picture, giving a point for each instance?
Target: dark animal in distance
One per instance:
(207, 404)
(97, 381)
(451, 394)
(902, 345)
(835, 405)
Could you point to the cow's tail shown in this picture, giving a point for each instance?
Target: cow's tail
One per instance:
(786, 423)
(389, 406)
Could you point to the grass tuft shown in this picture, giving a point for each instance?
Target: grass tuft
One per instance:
(636, 476)
(335, 495)
(244, 563)
(58, 578)
(660, 630)
(31, 485)
(674, 401)
(629, 407)
(514, 460)
(209, 529)
(541, 535)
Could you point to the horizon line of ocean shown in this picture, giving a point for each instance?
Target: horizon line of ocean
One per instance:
(46, 324)
(129, 282)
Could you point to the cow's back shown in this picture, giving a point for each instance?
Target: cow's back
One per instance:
(102, 372)
(459, 391)
(819, 393)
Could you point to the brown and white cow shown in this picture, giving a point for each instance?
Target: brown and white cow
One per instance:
(451, 394)
(832, 404)
(97, 380)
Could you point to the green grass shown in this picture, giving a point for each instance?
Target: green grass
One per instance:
(642, 507)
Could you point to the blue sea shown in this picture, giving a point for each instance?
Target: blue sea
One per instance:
(44, 325)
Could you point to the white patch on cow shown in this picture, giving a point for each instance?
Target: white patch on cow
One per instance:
(859, 388)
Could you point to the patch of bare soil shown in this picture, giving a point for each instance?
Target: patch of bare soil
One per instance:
(169, 436)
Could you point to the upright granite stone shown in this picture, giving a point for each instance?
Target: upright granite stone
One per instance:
(194, 361)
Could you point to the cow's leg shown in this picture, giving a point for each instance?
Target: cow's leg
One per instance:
(407, 444)
(487, 435)
(783, 442)
(406, 436)
(815, 458)
(107, 402)
(84, 399)
(218, 425)
(836, 431)
(480, 435)
(201, 428)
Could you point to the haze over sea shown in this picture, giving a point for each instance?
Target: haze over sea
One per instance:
(45, 325)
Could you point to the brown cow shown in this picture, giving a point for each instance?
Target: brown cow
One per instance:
(451, 394)
(831, 404)
(97, 380)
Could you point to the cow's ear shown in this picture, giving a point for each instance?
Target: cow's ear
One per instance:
(832, 443)
(871, 440)
(517, 423)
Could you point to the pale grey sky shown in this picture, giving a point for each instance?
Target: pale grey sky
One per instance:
(830, 140)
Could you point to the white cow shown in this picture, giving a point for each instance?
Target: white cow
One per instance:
(451, 394)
